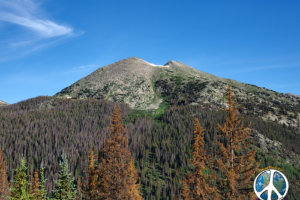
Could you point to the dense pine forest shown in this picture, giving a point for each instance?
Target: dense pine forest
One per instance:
(42, 128)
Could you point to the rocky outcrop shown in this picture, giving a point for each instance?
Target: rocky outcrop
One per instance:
(276, 150)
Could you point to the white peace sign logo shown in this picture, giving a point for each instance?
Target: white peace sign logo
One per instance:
(271, 186)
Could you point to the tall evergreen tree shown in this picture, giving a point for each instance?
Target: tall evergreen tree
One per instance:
(196, 184)
(20, 185)
(4, 185)
(79, 189)
(117, 178)
(133, 192)
(41, 192)
(92, 177)
(65, 188)
(235, 161)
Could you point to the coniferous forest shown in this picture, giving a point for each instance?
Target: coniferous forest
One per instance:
(45, 140)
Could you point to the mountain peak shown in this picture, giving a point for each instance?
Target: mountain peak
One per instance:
(170, 62)
(128, 80)
(133, 58)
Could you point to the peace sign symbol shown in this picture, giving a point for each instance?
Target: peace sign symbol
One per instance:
(270, 187)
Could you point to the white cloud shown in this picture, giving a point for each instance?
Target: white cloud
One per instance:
(37, 30)
(85, 66)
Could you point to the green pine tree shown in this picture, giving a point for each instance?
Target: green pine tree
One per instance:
(42, 193)
(20, 185)
(65, 188)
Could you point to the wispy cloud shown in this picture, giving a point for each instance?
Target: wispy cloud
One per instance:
(86, 66)
(24, 13)
(37, 31)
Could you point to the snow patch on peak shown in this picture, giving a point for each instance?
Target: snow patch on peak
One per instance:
(156, 65)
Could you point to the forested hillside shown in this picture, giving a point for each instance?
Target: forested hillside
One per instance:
(160, 141)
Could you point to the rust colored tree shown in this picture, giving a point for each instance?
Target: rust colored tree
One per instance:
(90, 186)
(4, 185)
(117, 176)
(34, 185)
(197, 185)
(79, 189)
(133, 191)
(235, 160)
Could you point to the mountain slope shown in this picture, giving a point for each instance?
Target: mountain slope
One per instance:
(161, 146)
(161, 105)
(2, 103)
(293, 94)
(143, 85)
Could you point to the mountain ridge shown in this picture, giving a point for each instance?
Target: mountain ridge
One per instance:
(145, 86)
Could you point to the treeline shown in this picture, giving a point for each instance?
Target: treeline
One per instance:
(44, 127)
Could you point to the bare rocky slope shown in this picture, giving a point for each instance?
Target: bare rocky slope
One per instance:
(2, 103)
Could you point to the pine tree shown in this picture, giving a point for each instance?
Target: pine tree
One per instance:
(4, 185)
(92, 177)
(65, 188)
(134, 192)
(196, 185)
(20, 185)
(117, 178)
(34, 185)
(235, 161)
(185, 189)
(79, 188)
(41, 192)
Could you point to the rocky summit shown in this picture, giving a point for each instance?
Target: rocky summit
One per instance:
(131, 81)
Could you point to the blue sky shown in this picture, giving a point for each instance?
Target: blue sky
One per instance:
(47, 45)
